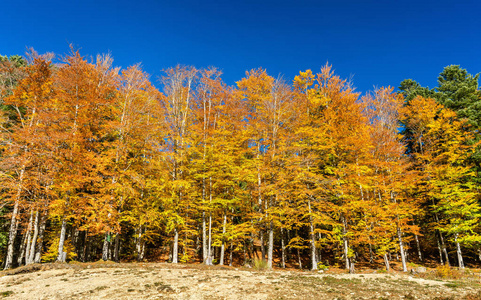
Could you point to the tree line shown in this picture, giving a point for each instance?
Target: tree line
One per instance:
(97, 163)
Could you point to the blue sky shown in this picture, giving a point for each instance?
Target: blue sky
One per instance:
(376, 43)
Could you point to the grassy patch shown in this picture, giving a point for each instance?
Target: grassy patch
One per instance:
(260, 264)
(452, 285)
(162, 287)
(6, 293)
(343, 281)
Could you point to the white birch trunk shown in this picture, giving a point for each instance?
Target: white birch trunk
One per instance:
(313, 240)
(12, 234)
(28, 239)
(401, 249)
(175, 249)
(38, 250)
(105, 248)
(346, 252)
(209, 237)
(222, 247)
(458, 252)
(270, 251)
(61, 256)
(283, 250)
(204, 239)
(23, 247)
(345, 244)
(30, 258)
(445, 250)
(386, 262)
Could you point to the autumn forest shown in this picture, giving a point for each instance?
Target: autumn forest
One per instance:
(99, 162)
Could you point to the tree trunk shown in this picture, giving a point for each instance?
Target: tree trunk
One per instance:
(41, 231)
(28, 238)
(230, 254)
(110, 248)
(209, 238)
(204, 238)
(299, 258)
(263, 248)
(21, 251)
(61, 255)
(259, 199)
(270, 246)
(245, 254)
(31, 252)
(117, 248)
(142, 250)
(458, 252)
(138, 245)
(209, 243)
(418, 247)
(25, 245)
(12, 233)
(346, 252)
(440, 252)
(222, 247)
(371, 254)
(386, 262)
(105, 248)
(175, 249)
(318, 250)
(345, 243)
(351, 266)
(313, 240)
(283, 250)
(251, 250)
(445, 250)
(288, 250)
(83, 256)
(401, 249)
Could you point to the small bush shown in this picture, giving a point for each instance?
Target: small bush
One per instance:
(260, 264)
(446, 272)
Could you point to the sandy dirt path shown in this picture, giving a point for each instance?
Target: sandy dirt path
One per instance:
(165, 281)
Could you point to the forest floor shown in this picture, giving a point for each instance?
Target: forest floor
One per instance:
(193, 281)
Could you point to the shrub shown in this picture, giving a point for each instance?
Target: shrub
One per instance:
(260, 264)
(446, 272)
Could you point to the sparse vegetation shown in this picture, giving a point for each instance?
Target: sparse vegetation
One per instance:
(6, 293)
(260, 264)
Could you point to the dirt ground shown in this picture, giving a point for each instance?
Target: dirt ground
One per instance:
(183, 281)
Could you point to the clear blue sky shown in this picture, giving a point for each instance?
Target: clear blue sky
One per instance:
(378, 43)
